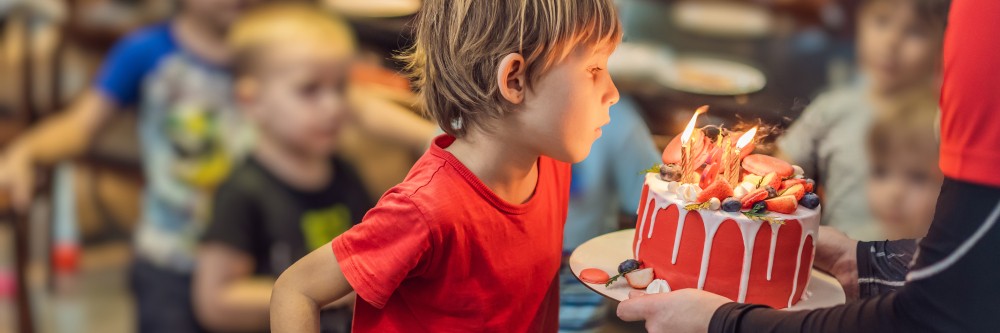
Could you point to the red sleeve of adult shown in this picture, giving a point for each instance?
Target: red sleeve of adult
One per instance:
(970, 97)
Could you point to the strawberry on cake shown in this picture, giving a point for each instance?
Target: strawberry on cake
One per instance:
(736, 224)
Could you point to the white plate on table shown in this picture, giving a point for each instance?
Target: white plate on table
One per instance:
(723, 19)
(605, 252)
(710, 76)
(374, 8)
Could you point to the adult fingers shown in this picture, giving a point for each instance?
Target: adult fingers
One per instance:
(635, 308)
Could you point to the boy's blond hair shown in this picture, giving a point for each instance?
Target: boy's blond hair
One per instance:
(284, 21)
(460, 43)
(908, 127)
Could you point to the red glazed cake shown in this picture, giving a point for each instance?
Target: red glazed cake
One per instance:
(719, 219)
(727, 253)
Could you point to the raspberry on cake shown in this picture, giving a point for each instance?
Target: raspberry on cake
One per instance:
(757, 246)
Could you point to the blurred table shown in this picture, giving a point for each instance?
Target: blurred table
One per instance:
(794, 56)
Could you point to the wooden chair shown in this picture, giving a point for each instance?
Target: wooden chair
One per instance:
(19, 223)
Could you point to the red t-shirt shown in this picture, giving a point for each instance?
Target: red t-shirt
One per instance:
(970, 104)
(441, 252)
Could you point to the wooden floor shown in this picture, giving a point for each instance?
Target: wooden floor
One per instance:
(95, 300)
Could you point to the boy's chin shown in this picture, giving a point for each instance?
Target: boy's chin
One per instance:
(574, 157)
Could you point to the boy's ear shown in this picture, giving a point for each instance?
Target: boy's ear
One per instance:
(511, 78)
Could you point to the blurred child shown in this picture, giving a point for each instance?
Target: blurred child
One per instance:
(290, 196)
(173, 74)
(471, 240)
(899, 52)
(905, 178)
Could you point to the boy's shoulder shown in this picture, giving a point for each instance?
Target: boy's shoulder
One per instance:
(155, 38)
(246, 177)
(438, 186)
(841, 101)
(844, 106)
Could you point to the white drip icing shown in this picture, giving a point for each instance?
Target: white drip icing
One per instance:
(652, 220)
(749, 238)
(662, 199)
(798, 263)
(681, 216)
(642, 225)
(774, 241)
(655, 185)
(712, 222)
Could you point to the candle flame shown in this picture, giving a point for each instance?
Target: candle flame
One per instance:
(686, 135)
(746, 138)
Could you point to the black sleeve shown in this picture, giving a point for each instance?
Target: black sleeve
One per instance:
(234, 220)
(882, 266)
(953, 286)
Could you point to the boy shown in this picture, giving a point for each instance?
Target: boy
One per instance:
(899, 51)
(173, 74)
(290, 196)
(905, 179)
(471, 240)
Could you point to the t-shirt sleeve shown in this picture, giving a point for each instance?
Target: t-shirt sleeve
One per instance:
(800, 141)
(389, 245)
(882, 265)
(130, 60)
(969, 94)
(233, 220)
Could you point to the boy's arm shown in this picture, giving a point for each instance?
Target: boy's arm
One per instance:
(226, 295)
(59, 137)
(304, 288)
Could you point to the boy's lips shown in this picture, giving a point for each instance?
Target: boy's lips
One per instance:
(598, 129)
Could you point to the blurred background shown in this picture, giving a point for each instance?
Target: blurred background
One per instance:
(64, 262)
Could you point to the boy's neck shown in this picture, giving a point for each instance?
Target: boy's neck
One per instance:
(201, 38)
(507, 168)
(299, 170)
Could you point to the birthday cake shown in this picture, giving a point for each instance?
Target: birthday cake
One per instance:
(716, 218)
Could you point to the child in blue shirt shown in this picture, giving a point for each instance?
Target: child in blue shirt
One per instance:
(173, 74)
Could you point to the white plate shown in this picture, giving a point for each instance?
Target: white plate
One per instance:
(605, 252)
(709, 76)
(374, 8)
(724, 19)
(632, 61)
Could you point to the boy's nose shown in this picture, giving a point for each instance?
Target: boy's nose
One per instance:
(612, 96)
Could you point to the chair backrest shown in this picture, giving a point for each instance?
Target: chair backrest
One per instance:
(19, 222)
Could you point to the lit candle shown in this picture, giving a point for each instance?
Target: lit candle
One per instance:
(687, 169)
(733, 172)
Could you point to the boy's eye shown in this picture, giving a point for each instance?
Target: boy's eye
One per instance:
(595, 70)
